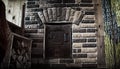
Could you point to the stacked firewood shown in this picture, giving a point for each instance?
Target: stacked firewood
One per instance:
(20, 52)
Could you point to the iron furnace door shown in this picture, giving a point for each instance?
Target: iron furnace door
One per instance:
(58, 40)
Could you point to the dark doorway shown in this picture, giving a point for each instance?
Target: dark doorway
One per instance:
(58, 40)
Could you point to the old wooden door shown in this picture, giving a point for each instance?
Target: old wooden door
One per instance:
(58, 40)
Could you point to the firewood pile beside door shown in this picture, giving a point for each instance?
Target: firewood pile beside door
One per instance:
(20, 52)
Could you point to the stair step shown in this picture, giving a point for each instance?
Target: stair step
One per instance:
(37, 40)
(37, 50)
(37, 45)
(36, 61)
(36, 56)
(34, 30)
(34, 35)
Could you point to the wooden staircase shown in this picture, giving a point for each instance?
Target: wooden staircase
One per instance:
(37, 36)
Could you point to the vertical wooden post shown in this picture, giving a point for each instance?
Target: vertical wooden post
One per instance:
(23, 17)
(100, 26)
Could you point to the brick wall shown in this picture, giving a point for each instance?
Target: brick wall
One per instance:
(34, 29)
(86, 40)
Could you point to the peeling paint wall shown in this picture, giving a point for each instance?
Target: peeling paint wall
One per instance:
(14, 11)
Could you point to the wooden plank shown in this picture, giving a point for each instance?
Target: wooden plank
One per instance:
(21, 37)
(101, 45)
